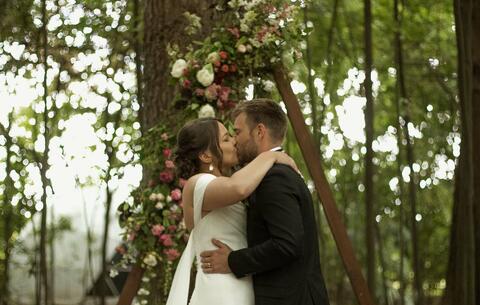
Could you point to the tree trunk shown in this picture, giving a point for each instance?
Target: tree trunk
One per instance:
(383, 264)
(400, 91)
(403, 98)
(163, 24)
(461, 269)
(476, 138)
(43, 167)
(108, 204)
(52, 255)
(138, 46)
(369, 171)
(311, 89)
(8, 216)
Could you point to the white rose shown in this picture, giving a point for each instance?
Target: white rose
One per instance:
(241, 48)
(113, 273)
(268, 85)
(159, 205)
(206, 111)
(150, 260)
(152, 197)
(213, 57)
(205, 75)
(160, 197)
(169, 199)
(178, 67)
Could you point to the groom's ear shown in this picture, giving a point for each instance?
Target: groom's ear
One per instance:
(261, 130)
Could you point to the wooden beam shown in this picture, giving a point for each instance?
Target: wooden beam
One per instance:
(131, 286)
(312, 158)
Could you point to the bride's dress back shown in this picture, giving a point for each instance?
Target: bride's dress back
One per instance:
(227, 225)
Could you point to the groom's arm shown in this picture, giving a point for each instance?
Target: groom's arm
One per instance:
(280, 210)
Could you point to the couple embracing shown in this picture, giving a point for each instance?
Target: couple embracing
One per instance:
(253, 232)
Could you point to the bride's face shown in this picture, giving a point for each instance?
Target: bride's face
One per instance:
(227, 145)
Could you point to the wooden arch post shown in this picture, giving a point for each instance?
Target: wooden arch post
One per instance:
(311, 156)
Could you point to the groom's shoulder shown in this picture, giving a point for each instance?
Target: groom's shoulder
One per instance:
(281, 170)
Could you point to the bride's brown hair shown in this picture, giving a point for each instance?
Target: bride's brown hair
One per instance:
(194, 138)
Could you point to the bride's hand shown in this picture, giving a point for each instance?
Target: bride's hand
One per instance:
(283, 158)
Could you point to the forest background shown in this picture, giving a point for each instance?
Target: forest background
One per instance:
(400, 149)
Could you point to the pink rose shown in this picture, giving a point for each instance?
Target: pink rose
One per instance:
(211, 92)
(166, 176)
(176, 194)
(224, 93)
(169, 164)
(225, 68)
(172, 254)
(186, 83)
(199, 92)
(172, 228)
(181, 182)
(166, 240)
(167, 152)
(157, 230)
(131, 236)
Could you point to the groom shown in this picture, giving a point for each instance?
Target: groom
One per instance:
(283, 256)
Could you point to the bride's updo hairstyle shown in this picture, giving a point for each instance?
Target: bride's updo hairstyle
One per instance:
(194, 138)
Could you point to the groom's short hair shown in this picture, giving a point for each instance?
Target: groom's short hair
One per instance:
(265, 111)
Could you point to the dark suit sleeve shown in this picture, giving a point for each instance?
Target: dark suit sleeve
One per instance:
(280, 209)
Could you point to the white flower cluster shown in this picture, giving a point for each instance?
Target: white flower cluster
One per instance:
(178, 67)
(248, 5)
(159, 198)
(205, 75)
(150, 260)
(206, 111)
(194, 23)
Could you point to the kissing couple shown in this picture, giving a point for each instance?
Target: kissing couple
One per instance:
(253, 232)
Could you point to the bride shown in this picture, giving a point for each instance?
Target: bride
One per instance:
(204, 155)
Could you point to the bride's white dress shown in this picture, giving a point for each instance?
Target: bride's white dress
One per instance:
(227, 225)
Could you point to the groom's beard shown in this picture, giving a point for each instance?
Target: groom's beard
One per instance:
(247, 153)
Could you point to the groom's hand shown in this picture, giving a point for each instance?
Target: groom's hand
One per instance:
(216, 261)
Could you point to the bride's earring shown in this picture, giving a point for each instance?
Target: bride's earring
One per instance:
(210, 168)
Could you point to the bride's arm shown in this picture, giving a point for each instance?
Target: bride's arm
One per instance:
(224, 191)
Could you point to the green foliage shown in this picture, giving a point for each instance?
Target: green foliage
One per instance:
(92, 65)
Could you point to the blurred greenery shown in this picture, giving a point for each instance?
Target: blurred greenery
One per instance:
(91, 76)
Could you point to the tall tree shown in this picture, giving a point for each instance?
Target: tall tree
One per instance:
(476, 137)
(462, 261)
(7, 214)
(369, 171)
(43, 163)
(164, 22)
(399, 92)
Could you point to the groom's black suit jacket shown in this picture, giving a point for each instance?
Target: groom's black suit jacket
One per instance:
(283, 256)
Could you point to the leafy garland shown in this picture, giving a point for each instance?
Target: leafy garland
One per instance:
(210, 77)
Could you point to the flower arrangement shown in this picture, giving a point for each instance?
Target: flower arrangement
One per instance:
(154, 232)
(211, 76)
(257, 35)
